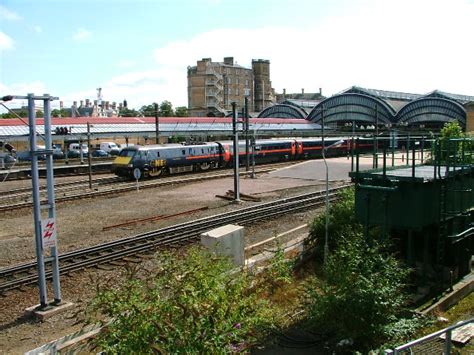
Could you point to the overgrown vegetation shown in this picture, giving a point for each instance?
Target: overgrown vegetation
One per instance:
(193, 303)
(453, 148)
(197, 302)
(361, 297)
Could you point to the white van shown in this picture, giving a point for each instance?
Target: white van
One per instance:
(76, 147)
(109, 147)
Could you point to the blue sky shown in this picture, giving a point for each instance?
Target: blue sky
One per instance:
(139, 50)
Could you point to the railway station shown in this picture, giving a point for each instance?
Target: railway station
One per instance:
(410, 187)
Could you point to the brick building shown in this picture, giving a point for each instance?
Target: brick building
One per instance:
(213, 86)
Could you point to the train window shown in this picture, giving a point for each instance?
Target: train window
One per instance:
(127, 153)
(184, 152)
(190, 151)
(202, 150)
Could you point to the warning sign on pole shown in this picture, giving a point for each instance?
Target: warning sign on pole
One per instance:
(48, 232)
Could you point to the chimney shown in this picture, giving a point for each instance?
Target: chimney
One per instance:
(61, 105)
(74, 103)
(82, 103)
(114, 105)
(321, 91)
(106, 105)
(120, 106)
(302, 91)
(95, 103)
(284, 92)
(88, 102)
(229, 60)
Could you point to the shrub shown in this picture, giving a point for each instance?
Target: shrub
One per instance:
(361, 295)
(342, 226)
(192, 304)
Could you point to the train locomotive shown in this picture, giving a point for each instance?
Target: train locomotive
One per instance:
(155, 160)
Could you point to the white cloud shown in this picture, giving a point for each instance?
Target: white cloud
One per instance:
(38, 29)
(125, 64)
(407, 45)
(6, 42)
(8, 14)
(81, 34)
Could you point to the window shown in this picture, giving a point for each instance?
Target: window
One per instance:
(184, 152)
(237, 91)
(229, 80)
(246, 82)
(237, 80)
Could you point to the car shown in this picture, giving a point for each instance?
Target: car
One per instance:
(99, 153)
(57, 152)
(26, 156)
(7, 161)
(72, 154)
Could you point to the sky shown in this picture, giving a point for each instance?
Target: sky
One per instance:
(139, 50)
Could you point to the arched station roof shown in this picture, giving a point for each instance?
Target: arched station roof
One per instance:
(348, 107)
(283, 111)
(432, 109)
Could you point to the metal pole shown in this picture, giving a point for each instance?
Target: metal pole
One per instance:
(36, 202)
(352, 145)
(50, 189)
(89, 162)
(236, 154)
(80, 150)
(246, 117)
(326, 224)
(253, 155)
(157, 125)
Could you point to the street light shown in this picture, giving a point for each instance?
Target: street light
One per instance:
(326, 246)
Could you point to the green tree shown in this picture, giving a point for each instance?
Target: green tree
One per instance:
(192, 304)
(60, 113)
(181, 111)
(166, 109)
(451, 130)
(125, 112)
(362, 296)
(148, 110)
(452, 145)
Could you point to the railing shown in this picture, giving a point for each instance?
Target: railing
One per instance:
(431, 343)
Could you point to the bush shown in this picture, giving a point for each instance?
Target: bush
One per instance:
(342, 226)
(192, 304)
(361, 295)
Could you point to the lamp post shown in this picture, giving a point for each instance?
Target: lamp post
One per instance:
(326, 212)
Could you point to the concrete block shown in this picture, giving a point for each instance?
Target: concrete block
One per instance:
(48, 311)
(227, 241)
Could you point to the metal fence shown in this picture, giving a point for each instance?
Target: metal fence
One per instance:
(439, 342)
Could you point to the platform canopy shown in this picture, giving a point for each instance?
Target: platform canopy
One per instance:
(431, 110)
(283, 111)
(353, 107)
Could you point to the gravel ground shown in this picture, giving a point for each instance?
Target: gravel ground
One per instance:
(80, 224)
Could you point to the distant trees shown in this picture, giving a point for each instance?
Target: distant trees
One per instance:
(181, 111)
(165, 109)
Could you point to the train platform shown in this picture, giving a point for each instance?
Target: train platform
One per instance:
(63, 169)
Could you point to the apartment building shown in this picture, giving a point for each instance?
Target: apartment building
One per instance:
(213, 86)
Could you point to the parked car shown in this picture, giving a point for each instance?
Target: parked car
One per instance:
(6, 161)
(57, 152)
(26, 156)
(72, 154)
(99, 153)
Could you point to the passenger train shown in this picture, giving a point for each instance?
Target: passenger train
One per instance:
(155, 160)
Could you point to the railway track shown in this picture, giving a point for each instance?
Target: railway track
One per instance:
(127, 248)
(21, 198)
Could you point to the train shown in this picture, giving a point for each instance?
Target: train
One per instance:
(159, 159)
